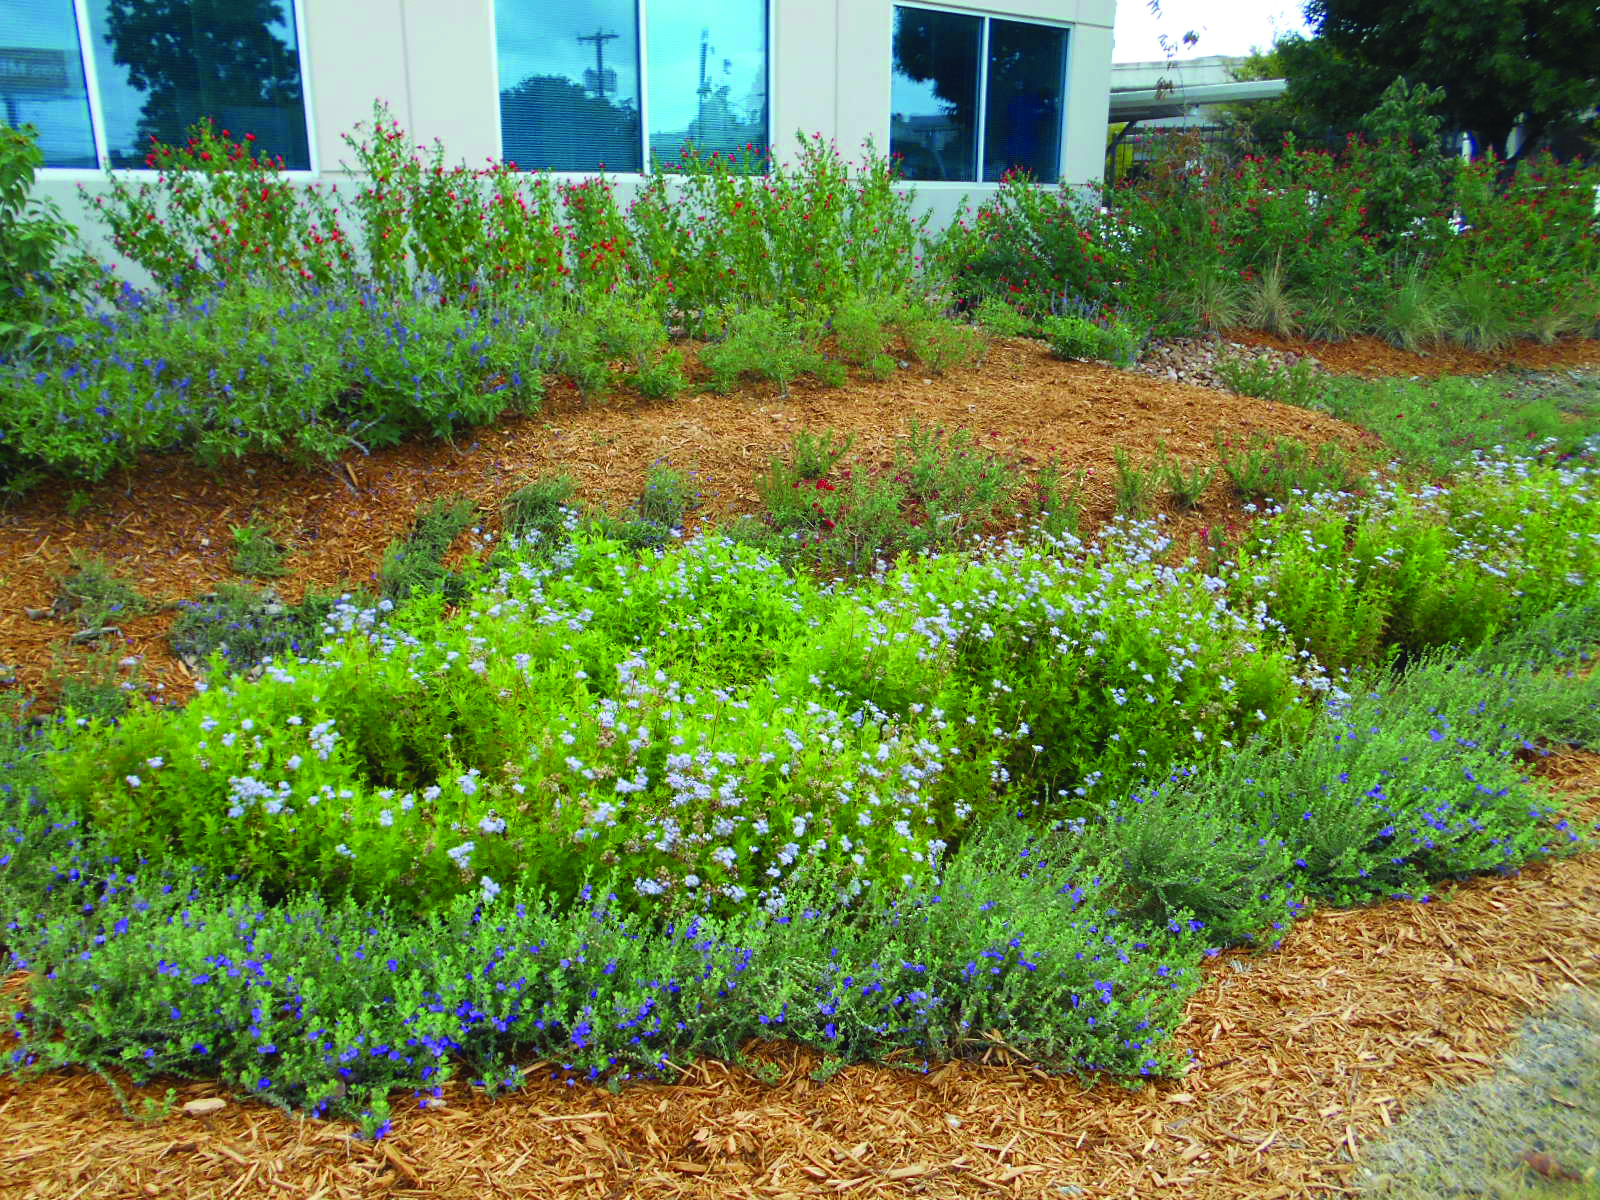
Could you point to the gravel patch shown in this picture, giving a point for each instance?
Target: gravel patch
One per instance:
(1535, 1120)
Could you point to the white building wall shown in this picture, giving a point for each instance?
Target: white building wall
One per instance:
(433, 62)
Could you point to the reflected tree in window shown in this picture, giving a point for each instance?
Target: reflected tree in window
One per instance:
(934, 94)
(569, 84)
(234, 61)
(550, 121)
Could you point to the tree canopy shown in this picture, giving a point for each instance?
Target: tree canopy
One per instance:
(1500, 63)
(221, 59)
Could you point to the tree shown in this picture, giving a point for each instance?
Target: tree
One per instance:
(209, 58)
(548, 121)
(1501, 63)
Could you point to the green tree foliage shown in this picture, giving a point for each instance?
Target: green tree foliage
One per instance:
(40, 257)
(552, 122)
(1328, 93)
(1499, 62)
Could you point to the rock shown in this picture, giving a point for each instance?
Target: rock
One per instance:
(89, 635)
(8, 675)
(208, 1106)
(38, 614)
(1193, 360)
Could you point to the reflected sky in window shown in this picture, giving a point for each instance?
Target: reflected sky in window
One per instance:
(707, 72)
(41, 79)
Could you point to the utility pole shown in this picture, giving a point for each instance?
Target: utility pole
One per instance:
(704, 89)
(600, 39)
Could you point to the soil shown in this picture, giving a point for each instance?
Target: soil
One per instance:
(1302, 1057)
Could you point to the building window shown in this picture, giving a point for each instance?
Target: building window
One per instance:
(41, 79)
(159, 66)
(708, 77)
(575, 95)
(974, 97)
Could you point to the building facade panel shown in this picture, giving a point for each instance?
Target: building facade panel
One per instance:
(831, 70)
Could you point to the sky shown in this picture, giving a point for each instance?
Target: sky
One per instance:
(1228, 27)
(542, 39)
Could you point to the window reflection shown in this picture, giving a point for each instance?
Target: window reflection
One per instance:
(569, 84)
(1022, 113)
(708, 77)
(933, 99)
(41, 79)
(164, 64)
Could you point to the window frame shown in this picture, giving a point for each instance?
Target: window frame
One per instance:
(981, 134)
(641, 15)
(91, 82)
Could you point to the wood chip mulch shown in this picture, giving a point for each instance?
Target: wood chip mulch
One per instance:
(166, 525)
(1371, 357)
(1301, 1058)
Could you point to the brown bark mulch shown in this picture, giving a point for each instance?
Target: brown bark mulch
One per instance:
(166, 525)
(1301, 1057)
(1371, 357)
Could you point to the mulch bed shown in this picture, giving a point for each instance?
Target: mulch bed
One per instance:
(1301, 1057)
(1372, 357)
(167, 524)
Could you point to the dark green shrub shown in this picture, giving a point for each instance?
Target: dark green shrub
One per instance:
(540, 509)
(941, 345)
(1275, 470)
(95, 595)
(667, 497)
(256, 553)
(243, 627)
(44, 271)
